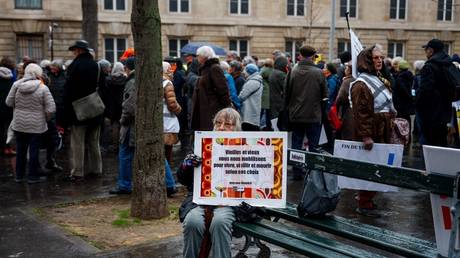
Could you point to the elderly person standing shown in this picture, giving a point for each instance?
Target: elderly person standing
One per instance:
(251, 97)
(194, 217)
(83, 78)
(32, 105)
(211, 92)
(373, 109)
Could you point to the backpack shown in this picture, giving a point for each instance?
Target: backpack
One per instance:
(320, 194)
(452, 75)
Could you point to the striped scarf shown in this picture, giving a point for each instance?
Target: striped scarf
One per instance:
(383, 100)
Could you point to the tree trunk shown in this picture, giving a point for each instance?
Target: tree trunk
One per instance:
(149, 187)
(90, 23)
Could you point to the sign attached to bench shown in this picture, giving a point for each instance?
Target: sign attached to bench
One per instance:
(241, 166)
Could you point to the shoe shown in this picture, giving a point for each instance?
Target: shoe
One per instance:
(368, 212)
(74, 179)
(9, 152)
(170, 191)
(37, 180)
(19, 180)
(119, 191)
(54, 167)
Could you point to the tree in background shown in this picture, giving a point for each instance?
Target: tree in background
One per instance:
(149, 188)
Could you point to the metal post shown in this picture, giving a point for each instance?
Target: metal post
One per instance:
(332, 31)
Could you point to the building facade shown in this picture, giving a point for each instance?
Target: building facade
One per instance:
(251, 27)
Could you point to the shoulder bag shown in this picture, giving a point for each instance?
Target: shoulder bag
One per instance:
(90, 106)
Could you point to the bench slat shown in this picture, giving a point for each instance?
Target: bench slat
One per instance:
(380, 238)
(407, 178)
(312, 248)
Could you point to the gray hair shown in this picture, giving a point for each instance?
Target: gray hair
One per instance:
(166, 67)
(206, 51)
(58, 63)
(45, 63)
(418, 65)
(105, 64)
(118, 68)
(33, 71)
(224, 65)
(231, 115)
(248, 60)
(396, 60)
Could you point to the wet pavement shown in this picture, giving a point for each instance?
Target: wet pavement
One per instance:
(24, 234)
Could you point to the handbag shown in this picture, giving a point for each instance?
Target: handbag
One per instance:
(333, 115)
(89, 106)
(400, 131)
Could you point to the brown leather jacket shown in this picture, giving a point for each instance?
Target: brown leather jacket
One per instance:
(171, 101)
(366, 122)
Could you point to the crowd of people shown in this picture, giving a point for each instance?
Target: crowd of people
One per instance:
(203, 92)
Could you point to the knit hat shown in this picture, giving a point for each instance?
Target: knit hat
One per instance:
(130, 63)
(404, 65)
(251, 68)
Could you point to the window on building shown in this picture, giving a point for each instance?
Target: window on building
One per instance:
(240, 46)
(239, 6)
(342, 46)
(398, 9)
(295, 7)
(114, 48)
(348, 6)
(175, 45)
(293, 47)
(179, 6)
(445, 10)
(28, 4)
(29, 45)
(395, 49)
(447, 47)
(118, 5)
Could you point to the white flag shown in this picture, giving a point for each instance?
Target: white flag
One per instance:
(356, 48)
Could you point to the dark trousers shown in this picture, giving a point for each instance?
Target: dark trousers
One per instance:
(299, 131)
(24, 142)
(51, 138)
(249, 127)
(435, 135)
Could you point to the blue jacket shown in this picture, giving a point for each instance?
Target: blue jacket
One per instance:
(333, 89)
(231, 88)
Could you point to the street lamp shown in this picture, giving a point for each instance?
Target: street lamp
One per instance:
(51, 29)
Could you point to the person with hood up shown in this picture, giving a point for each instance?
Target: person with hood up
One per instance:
(251, 97)
(32, 105)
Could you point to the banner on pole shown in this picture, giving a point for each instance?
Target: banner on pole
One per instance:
(356, 48)
(384, 154)
(241, 166)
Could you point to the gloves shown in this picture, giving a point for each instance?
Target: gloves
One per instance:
(191, 160)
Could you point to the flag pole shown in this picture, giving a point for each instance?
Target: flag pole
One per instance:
(348, 22)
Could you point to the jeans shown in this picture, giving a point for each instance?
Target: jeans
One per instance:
(220, 230)
(30, 141)
(170, 183)
(125, 165)
(299, 131)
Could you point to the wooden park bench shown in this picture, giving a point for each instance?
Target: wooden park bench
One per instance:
(310, 243)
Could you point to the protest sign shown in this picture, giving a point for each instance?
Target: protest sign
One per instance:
(241, 166)
(384, 154)
(443, 161)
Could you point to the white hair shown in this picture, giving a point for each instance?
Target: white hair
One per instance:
(118, 68)
(166, 67)
(58, 63)
(206, 51)
(45, 63)
(33, 71)
(248, 60)
(418, 65)
(224, 65)
(396, 60)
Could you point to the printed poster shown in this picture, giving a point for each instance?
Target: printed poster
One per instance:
(384, 154)
(241, 166)
(443, 161)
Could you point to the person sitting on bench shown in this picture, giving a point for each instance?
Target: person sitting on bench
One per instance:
(204, 225)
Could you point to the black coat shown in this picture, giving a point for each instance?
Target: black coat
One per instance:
(402, 93)
(115, 87)
(433, 103)
(56, 86)
(81, 81)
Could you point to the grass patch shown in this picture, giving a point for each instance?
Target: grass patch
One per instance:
(124, 219)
